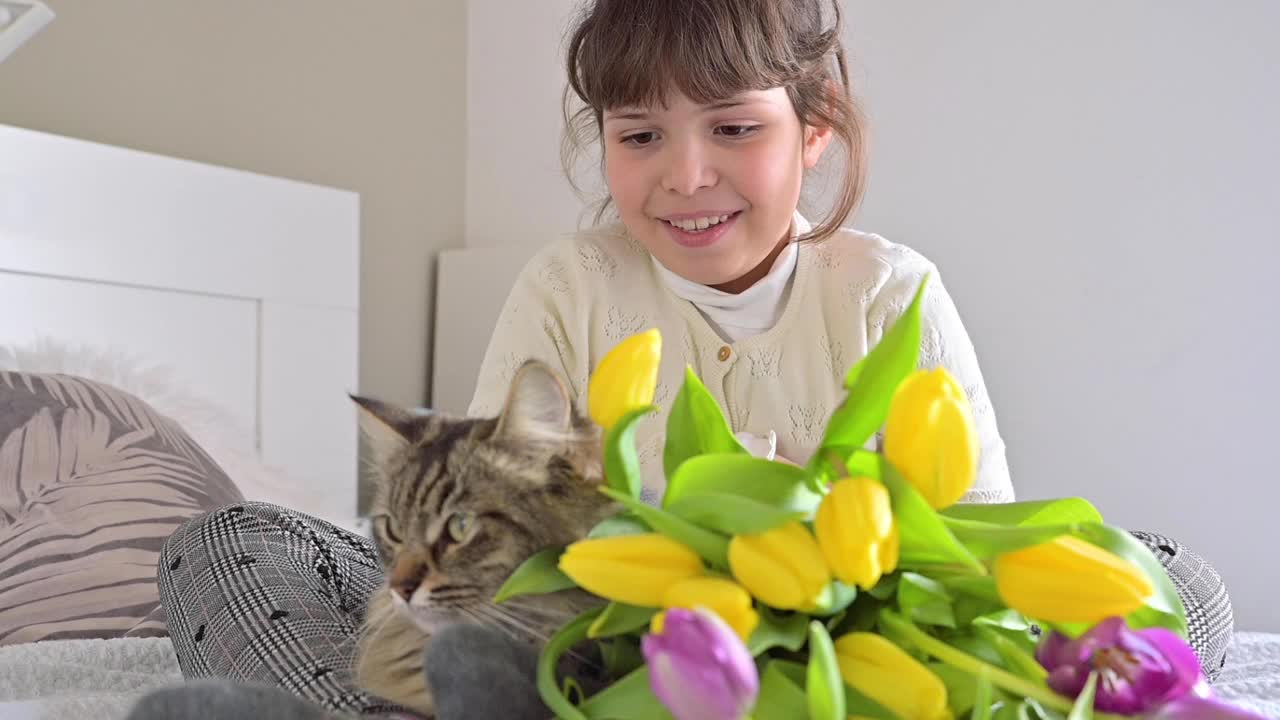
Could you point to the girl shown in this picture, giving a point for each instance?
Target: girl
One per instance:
(709, 114)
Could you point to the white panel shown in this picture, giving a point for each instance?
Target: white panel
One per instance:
(471, 288)
(80, 209)
(209, 343)
(308, 420)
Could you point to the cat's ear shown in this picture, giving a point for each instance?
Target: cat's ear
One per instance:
(538, 405)
(389, 429)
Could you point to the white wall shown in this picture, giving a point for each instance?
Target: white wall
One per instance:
(1098, 183)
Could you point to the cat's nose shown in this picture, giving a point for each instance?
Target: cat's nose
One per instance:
(405, 588)
(405, 583)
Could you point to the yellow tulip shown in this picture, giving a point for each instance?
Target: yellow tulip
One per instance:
(725, 598)
(884, 672)
(632, 569)
(857, 532)
(1068, 580)
(782, 567)
(930, 438)
(625, 379)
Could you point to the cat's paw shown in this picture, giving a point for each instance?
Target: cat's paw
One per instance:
(219, 699)
(476, 671)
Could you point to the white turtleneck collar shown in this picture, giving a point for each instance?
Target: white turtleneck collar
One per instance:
(752, 311)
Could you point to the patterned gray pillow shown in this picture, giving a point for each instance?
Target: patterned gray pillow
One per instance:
(92, 482)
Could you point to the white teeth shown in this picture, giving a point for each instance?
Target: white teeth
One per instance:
(698, 224)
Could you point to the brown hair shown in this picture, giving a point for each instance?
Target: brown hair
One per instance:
(632, 52)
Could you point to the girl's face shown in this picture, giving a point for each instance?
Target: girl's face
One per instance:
(710, 189)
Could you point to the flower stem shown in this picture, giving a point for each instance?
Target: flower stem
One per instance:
(999, 677)
(567, 637)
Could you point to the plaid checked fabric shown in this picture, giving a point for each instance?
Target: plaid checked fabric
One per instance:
(1210, 622)
(258, 593)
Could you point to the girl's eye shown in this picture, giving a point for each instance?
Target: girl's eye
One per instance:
(639, 139)
(390, 529)
(459, 525)
(737, 131)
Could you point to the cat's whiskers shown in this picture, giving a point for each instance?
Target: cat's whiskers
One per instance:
(508, 621)
(505, 621)
(557, 615)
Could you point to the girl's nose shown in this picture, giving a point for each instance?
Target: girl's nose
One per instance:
(688, 169)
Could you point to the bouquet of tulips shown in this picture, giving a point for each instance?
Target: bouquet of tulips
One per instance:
(854, 586)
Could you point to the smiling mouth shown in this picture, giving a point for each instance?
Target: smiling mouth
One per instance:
(700, 224)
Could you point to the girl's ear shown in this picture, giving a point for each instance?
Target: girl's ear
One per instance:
(816, 140)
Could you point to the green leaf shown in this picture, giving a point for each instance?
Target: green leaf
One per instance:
(886, 588)
(619, 618)
(968, 607)
(1164, 608)
(572, 691)
(710, 546)
(627, 699)
(621, 463)
(823, 684)
(961, 691)
(977, 646)
(1015, 656)
(982, 699)
(772, 483)
(925, 600)
(835, 598)
(731, 514)
(566, 637)
(536, 576)
(1083, 708)
(696, 426)
(1062, 511)
(1029, 709)
(1005, 619)
(1007, 711)
(780, 698)
(861, 706)
(859, 617)
(924, 538)
(774, 630)
(874, 379)
(987, 540)
(980, 587)
(624, 524)
(856, 704)
(621, 656)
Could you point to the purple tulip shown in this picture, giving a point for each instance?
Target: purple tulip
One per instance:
(1150, 672)
(699, 668)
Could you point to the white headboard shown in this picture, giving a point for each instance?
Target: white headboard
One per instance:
(245, 285)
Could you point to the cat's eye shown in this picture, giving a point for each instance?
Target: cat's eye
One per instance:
(459, 525)
(390, 529)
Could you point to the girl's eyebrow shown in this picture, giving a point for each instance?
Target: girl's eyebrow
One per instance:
(626, 115)
(637, 114)
(727, 104)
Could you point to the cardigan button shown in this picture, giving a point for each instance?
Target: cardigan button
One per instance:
(724, 353)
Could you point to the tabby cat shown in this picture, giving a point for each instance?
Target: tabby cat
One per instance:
(460, 503)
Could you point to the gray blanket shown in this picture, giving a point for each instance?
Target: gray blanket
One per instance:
(103, 678)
